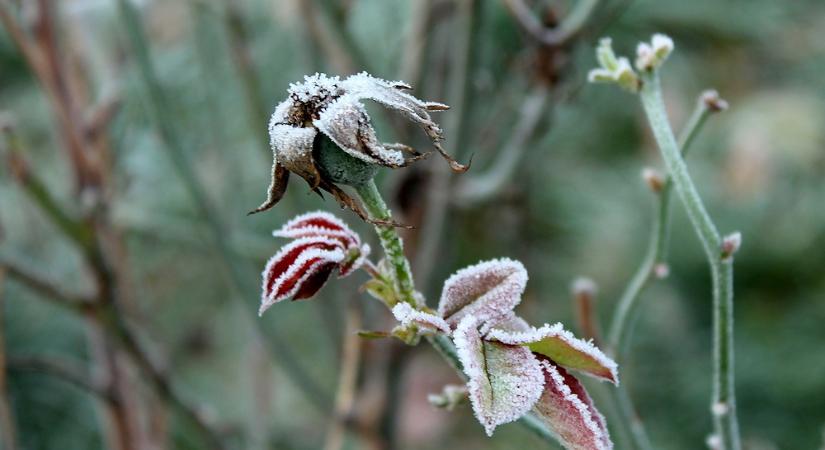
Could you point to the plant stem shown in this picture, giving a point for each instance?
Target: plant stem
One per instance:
(657, 245)
(390, 241)
(629, 301)
(726, 426)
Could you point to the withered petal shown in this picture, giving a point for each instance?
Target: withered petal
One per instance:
(276, 190)
(347, 124)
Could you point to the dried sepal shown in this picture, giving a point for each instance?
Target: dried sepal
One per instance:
(409, 316)
(568, 410)
(558, 344)
(488, 291)
(504, 381)
(276, 189)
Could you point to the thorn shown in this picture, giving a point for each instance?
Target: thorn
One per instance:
(654, 179)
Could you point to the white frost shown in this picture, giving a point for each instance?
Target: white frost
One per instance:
(408, 315)
(556, 334)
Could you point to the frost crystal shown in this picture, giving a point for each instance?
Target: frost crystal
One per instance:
(504, 381)
(488, 291)
(322, 244)
(651, 56)
(407, 315)
(558, 344)
(567, 408)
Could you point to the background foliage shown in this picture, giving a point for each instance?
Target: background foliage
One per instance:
(575, 205)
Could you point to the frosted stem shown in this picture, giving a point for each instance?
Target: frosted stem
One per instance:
(390, 241)
(725, 422)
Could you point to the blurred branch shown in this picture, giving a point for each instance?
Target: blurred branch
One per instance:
(437, 200)
(80, 304)
(415, 42)
(480, 187)
(339, 45)
(73, 229)
(557, 36)
(347, 378)
(162, 117)
(63, 370)
(8, 429)
(242, 58)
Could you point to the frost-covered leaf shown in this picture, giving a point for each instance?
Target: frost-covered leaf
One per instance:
(299, 269)
(504, 381)
(408, 315)
(319, 223)
(510, 322)
(488, 290)
(568, 410)
(558, 344)
(346, 122)
(324, 224)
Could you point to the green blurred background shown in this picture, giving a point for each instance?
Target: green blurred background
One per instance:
(575, 204)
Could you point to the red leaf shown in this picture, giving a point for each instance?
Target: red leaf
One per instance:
(315, 281)
(319, 223)
(568, 410)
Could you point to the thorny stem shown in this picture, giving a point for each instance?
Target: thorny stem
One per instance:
(375, 205)
(657, 245)
(723, 401)
(390, 241)
(160, 111)
(8, 430)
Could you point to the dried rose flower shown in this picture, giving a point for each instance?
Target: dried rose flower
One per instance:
(322, 243)
(322, 133)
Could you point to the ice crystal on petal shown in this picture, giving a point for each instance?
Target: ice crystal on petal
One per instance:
(408, 315)
(568, 410)
(504, 381)
(315, 88)
(488, 290)
(558, 344)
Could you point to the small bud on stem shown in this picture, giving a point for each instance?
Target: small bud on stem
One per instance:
(730, 245)
(654, 179)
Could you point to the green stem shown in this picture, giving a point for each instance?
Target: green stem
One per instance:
(391, 243)
(390, 240)
(657, 245)
(726, 426)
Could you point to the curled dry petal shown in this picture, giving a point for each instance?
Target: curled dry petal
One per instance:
(363, 85)
(299, 269)
(488, 291)
(346, 122)
(408, 315)
(558, 344)
(568, 410)
(504, 381)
